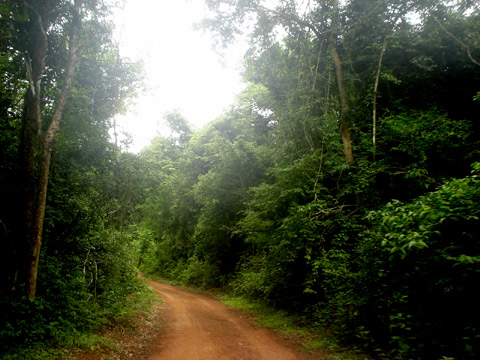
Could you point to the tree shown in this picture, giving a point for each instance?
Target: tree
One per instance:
(326, 22)
(41, 28)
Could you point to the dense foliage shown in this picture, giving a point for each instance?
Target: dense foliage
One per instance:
(380, 245)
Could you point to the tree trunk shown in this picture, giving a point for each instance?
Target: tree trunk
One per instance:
(27, 172)
(35, 237)
(345, 116)
(35, 176)
(30, 129)
(345, 120)
(375, 92)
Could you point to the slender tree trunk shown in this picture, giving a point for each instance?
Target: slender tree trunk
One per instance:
(345, 120)
(375, 92)
(27, 169)
(30, 130)
(35, 177)
(345, 117)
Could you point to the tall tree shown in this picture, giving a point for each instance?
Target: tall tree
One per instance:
(39, 24)
(335, 27)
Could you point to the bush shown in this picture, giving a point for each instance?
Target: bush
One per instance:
(250, 280)
(199, 273)
(422, 263)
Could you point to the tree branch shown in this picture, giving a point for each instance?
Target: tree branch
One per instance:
(28, 70)
(73, 57)
(462, 44)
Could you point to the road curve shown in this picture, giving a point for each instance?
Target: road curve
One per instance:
(200, 328)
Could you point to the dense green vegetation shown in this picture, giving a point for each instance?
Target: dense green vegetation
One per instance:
(380, 245)
(342, 186)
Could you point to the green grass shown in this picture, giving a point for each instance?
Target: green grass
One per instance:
(292, 327)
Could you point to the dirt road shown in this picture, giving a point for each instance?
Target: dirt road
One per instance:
(201, 328)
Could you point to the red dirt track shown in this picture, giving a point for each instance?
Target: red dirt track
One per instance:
(200, 328)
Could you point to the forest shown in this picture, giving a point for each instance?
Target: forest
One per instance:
(342, 186)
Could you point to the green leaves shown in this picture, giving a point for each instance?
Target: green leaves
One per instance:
(416, 225)
(427, 256)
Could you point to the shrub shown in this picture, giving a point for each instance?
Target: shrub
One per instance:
(422, 263)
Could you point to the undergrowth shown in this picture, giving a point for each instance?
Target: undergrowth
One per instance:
(63, 338)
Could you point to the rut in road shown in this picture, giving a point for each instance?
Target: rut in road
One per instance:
(200, 328)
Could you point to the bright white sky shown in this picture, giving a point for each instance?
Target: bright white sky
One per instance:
(182, 70)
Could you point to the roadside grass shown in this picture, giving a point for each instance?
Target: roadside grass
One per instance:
(312, 340)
